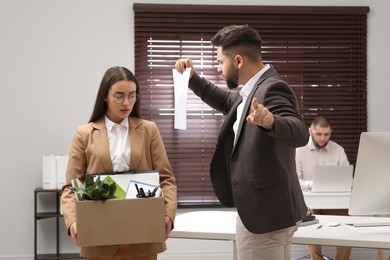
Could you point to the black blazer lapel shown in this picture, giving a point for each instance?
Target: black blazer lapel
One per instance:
(246, 111)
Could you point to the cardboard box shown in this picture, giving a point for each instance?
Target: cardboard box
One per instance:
(120, 221)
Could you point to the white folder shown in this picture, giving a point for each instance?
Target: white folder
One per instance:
(49, 172)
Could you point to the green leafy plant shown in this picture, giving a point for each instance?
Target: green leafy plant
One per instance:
(95, 189)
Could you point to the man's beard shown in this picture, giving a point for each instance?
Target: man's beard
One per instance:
(231, 85)
(319, 146)
(232, 78)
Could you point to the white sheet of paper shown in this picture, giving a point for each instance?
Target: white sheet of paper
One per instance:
(180, 83)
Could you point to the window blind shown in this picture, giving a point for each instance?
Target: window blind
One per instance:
(320, 51)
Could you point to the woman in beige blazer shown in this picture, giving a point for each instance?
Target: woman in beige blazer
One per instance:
(98, 148)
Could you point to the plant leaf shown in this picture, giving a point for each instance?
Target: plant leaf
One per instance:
(95, 190)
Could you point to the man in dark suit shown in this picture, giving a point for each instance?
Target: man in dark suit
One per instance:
(253, 168)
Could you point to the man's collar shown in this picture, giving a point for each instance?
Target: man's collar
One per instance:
(312, 146)
(247, 88)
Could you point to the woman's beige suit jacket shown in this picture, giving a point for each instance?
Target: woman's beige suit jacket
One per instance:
(90, 153)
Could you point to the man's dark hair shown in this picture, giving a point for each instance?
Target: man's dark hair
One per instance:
(239, 39)
(320, 121)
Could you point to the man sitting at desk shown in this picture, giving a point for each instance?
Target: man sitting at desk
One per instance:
(320, 150)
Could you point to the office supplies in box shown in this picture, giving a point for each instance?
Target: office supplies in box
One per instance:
(139, 189)
(123, 178)
(120, 221)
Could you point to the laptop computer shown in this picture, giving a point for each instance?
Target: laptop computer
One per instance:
(332, 178)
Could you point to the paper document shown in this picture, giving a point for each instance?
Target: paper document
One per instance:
(180, 83)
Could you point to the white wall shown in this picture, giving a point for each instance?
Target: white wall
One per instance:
(53, 54)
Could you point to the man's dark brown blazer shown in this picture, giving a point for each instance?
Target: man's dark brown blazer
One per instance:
(257, 174)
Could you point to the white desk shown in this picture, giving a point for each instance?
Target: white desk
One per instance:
(220, 225)
(327, 200)
(345, 234)
(212, 225)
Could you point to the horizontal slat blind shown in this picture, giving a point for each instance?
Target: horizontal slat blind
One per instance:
(320, 51)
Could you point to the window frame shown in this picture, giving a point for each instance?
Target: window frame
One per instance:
(321, 51)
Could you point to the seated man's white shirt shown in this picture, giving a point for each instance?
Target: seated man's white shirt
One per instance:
(308, 156)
